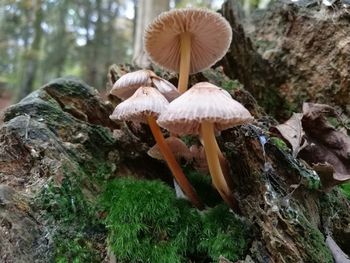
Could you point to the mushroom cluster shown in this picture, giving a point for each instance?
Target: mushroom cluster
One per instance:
(185, 41)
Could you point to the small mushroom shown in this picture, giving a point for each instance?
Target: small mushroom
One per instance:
(204, 109)
(187, 41)
(144, 106)
(127, 84)
(178, 147)
(200, 160)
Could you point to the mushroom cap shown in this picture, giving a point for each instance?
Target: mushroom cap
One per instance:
(169, 91)
(146, 101)
(203, 102)
(211, 38)
(127, 84)
(178, 147)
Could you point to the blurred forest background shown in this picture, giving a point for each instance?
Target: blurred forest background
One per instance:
(45, 39)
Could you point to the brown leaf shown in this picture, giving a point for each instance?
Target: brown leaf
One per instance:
(292, 132)
(325, 145)
(328, 176)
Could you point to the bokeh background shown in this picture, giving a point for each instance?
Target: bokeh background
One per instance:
(45, 39)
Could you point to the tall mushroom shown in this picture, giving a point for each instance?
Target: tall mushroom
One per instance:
(127, 84)
(205, 109)
(187, 41)
(144, 106)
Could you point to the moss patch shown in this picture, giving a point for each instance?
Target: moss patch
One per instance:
(345, 189)
(73, 217)
(280, 144)
(146, 223)
(314, 241)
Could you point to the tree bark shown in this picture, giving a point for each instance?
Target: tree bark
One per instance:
(294, 54)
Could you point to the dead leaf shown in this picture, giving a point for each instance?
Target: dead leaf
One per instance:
(292, 132)
(325, 144)
(328, 175)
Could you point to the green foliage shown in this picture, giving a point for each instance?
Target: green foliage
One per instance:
(146, 223)
(223, 234)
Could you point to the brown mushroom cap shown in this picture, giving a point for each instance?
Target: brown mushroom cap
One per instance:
(178, 147)
(203, 102)
(211, 38)
(127, 84)
(146, 101)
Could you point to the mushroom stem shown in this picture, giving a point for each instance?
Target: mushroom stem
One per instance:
(223, 163)
(173, 165)
(185, 59)
(211, 151)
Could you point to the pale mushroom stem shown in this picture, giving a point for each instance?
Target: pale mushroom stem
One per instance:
(223, 163)
(173, 165)
(185, 59)
(210, 146)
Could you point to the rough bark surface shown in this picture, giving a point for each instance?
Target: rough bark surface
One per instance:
(310, 47)
(60, 131)
(244, 63)
(64, 127)
(291, 55)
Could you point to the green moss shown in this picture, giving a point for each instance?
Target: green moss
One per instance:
(72, 215)
(146, 223)
(224, 234)
(313, 243)
(217, 77)
(345, 189)
(230, 85)
(279, 143)
(204, 187)
(308, 177)
(143, 221)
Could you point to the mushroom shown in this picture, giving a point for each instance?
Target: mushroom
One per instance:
(178, 147)
(127, 84)
(200, 160)
(187, 41)
(144, 106)
(205, 109)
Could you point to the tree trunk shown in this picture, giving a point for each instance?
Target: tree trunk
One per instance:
(286, 59)
(146, 12)
(31, 56)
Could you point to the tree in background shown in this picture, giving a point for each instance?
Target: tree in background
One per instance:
(44, 39)
(146, 11)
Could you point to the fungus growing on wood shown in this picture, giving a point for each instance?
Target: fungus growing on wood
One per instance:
(178, 147)
(187, 41)
(127, 84)
(206, 109)
(144, 106)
